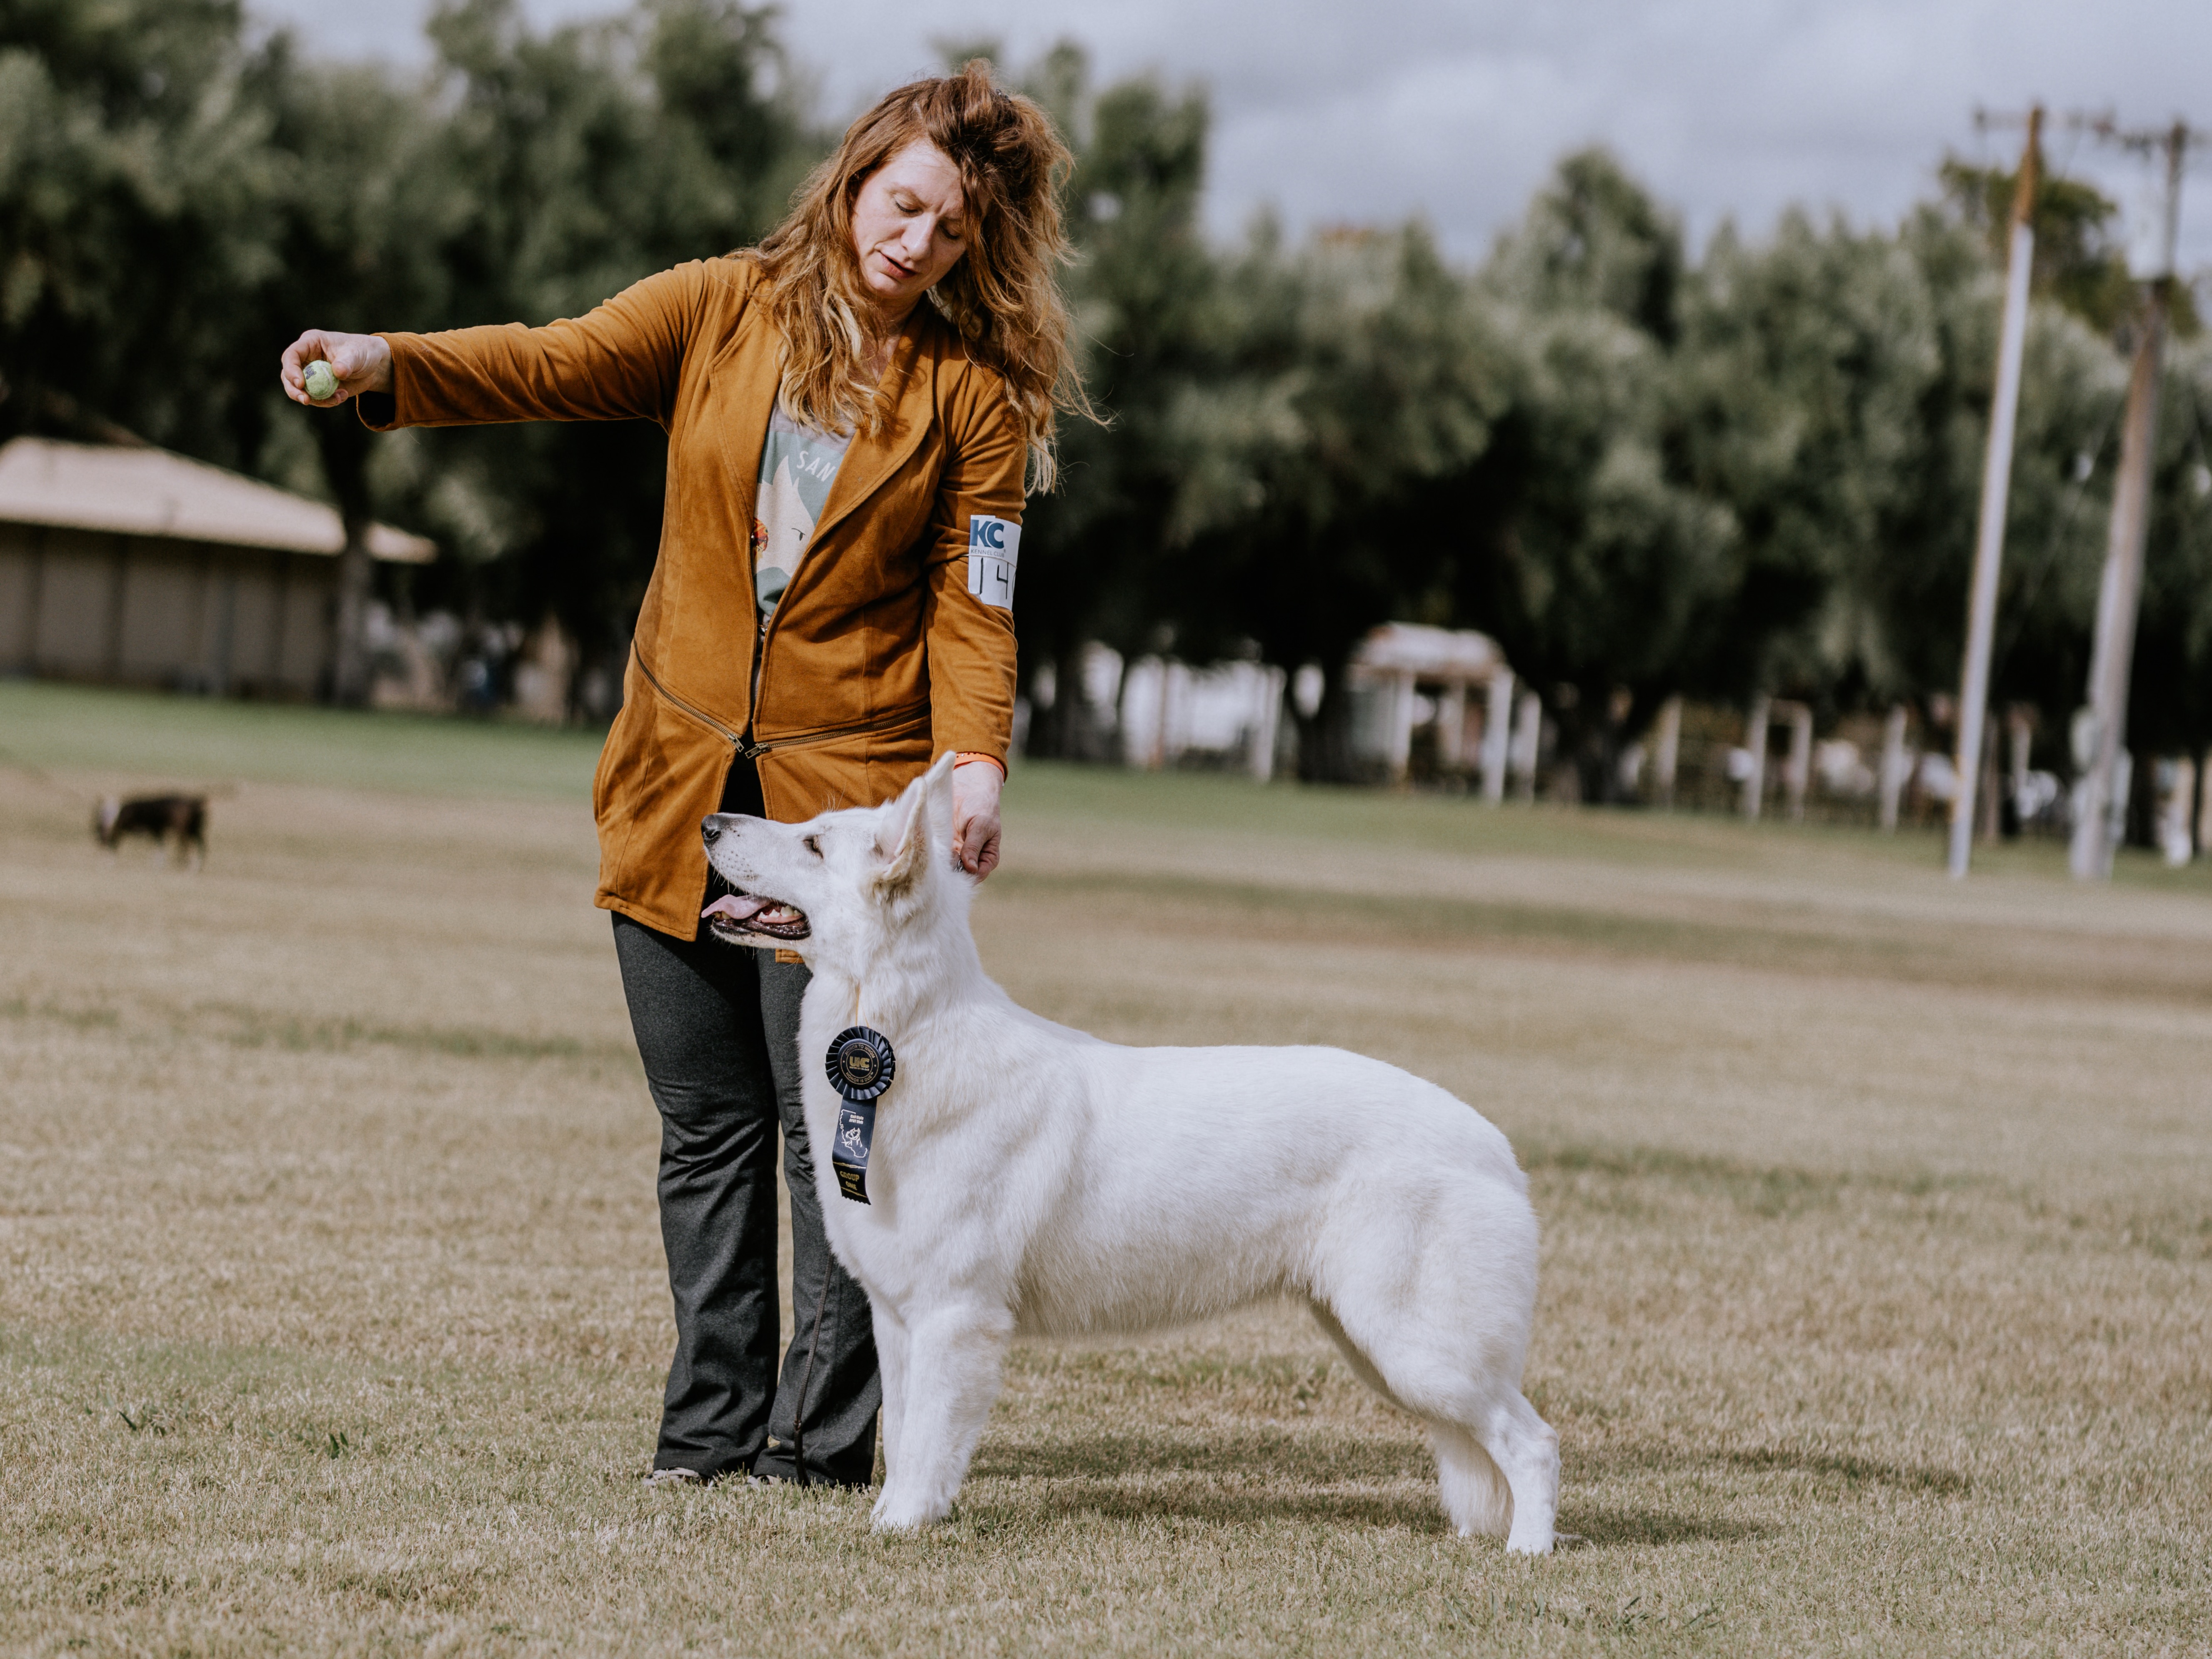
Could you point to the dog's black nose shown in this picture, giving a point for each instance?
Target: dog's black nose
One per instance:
(710, 830)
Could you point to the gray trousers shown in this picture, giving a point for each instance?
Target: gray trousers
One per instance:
(717, 1027)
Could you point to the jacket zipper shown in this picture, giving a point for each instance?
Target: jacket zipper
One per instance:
(743, 741)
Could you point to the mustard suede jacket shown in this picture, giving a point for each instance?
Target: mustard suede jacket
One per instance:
(878, 658)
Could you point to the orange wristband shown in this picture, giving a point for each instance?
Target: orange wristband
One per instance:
(970, 757)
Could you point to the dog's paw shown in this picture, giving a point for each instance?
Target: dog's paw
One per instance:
(895, 1511)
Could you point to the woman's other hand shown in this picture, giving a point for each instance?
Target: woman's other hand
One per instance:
(362, 363)
(975, 786)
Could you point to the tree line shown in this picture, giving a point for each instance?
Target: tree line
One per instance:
(1645, 473)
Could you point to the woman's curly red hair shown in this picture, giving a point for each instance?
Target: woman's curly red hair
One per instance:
(1002, 296)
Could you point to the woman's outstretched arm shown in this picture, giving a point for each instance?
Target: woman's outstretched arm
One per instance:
(618, 362)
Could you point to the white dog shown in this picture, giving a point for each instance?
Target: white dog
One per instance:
(1027, 1179)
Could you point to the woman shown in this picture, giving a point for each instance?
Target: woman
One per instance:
(814, 635)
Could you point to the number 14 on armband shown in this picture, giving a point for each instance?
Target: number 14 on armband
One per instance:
(993, 549)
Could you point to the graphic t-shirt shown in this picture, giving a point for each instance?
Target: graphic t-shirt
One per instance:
(798, 466)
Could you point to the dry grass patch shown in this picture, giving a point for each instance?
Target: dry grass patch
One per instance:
(1877, 1249)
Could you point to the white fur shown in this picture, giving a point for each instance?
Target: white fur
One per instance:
(1028, 1179)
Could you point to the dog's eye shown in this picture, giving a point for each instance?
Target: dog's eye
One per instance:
(812, 844)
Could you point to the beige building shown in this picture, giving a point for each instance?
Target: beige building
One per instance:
(138, 567)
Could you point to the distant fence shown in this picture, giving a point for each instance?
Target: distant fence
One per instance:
(1891, 771)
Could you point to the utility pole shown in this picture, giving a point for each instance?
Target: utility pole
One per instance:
(1996, 485)
(2095, 803)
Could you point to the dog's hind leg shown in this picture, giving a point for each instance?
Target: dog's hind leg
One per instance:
(954, 1360)
(1498, 1462)
(1474, 1489)
(1526, 1450)
(1476, 1494)
(1497, 1470)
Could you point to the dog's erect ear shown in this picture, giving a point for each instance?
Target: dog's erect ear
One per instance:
(911, 857)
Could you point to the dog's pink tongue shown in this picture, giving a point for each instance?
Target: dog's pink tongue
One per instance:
(737, 907)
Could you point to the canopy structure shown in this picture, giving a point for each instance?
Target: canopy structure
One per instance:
(1407, 676)
(137, 566)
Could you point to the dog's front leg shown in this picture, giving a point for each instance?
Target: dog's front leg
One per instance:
(954, 1357)
(891, 1366)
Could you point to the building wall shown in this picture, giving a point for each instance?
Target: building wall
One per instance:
(74, 621)
(79, 605)
(158, 628)
(305, 595)
(18, 595)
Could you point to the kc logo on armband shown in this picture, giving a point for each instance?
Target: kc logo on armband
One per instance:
(994, 548)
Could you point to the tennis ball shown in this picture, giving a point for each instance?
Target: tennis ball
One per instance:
(322, 382)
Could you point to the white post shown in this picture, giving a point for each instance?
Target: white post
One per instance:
(1174, 712)
(1896, 765)
(1754, 742)
(1527, 742)
(2116, 804)
(1497, 734)
(1267, 721)
(1452, 725)
(2177, 789)
(1399, 744)
(1669, 752)
(1144, 720)
(1996, 481)
(1798, 771)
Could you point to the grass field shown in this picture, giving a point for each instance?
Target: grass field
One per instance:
(1877, 1300)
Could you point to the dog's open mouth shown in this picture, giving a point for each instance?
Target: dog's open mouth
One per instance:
(735, 915)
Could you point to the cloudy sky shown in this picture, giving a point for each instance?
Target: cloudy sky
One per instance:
(1374, 110)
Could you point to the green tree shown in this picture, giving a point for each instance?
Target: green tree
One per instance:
(1806, 367)
(1352, 385)
(1592, 557)
(589, 156)
(361, 206)
(136, 189)
(1139, 294)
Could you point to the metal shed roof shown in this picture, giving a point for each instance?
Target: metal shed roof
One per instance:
(151, 492)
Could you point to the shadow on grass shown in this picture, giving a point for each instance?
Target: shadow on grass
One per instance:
(1848, 1468)
(1600, 1528)
(1193, 1499)
(1852, 1469)
(1237, 1479)
(1762, 1189)
(1320, 1457)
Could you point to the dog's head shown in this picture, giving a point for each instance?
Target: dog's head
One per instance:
(836, 888)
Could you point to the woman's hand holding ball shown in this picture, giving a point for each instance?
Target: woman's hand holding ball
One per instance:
(323, 370)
